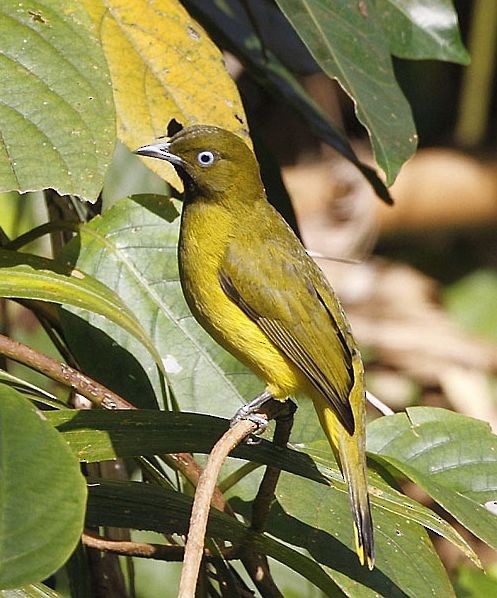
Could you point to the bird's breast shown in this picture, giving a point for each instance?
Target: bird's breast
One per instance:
(206, 231)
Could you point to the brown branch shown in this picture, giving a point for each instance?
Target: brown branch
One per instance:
(265, 494)
(203, 498)
(257, 565)
(200, 512)
(160, 552)
(191, 470)
(61, 372)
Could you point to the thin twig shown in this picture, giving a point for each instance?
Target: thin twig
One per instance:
(39, 231)
(380, 405)
(203, 498)
(265, 494)
(160, 552)
(257, 565)
(191, 470)
(198, 523)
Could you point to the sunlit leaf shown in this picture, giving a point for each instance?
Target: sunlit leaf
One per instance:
(422, 30)
(451, 456)
(163, 65)
(56, 109)
(350, 45)
(25, 276)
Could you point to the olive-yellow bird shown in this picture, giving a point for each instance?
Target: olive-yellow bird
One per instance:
(250, 283)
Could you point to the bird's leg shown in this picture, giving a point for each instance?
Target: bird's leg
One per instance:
(248, 411)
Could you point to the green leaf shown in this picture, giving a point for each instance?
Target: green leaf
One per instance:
(26, 276)
(143, 506)
(350, 45)
(451, 456)
(42, 493)
(132, 249)
(101, 435)
(232, 27)
(422, 30)
(28, 389)
(36, 590)
(56, 107)
(320, 522)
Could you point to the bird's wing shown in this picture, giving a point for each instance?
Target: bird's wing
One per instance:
(286, 294)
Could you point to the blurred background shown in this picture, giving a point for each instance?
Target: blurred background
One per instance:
(418, 279)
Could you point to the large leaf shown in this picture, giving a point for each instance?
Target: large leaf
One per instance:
(146, 507)
(232, 26)
(163, 65)
(350, 45)
(422, 30)
(132, 249)
(56, 110)
(26, 276)
(320, 522)
(142, 506)
(101, 435)
(42, 494)
(451, 456)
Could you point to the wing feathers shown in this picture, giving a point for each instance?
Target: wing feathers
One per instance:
(288, 342)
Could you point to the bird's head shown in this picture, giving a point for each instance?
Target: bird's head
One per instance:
(210, 161)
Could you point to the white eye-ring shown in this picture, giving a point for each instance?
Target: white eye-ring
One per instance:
(206, 158)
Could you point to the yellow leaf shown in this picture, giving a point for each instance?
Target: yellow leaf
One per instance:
(163, 65)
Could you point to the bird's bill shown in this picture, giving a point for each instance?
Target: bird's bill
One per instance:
(160, 151)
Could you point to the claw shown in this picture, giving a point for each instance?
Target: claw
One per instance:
(248, 412)
(259, 420)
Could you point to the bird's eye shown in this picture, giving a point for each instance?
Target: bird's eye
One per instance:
(206, 158)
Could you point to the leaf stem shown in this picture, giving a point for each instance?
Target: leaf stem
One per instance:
(39, 231)
(476, 92)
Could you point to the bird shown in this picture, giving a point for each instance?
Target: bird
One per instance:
(252, 286)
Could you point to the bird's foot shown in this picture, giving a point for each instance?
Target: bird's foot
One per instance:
(256, 418)
(248, 412)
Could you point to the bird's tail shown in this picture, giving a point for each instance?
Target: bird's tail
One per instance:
(350, 451)
(353, 463)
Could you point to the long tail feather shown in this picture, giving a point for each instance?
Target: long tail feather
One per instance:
(350, 451)
(354, 470)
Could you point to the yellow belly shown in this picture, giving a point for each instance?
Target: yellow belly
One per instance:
(223, 320)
